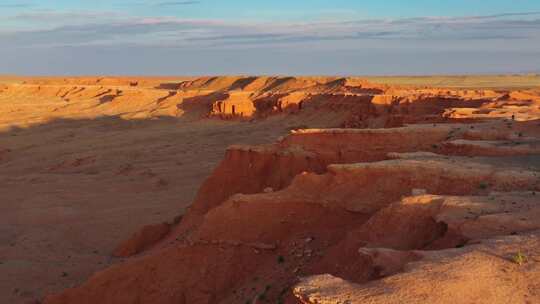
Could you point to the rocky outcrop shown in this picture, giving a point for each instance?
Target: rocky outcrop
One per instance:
(326, 201)
(498, 270)
(252, 169)
(142, 240)
(346, 102)
(237, 104)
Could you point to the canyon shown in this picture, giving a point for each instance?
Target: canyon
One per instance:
(268, 189)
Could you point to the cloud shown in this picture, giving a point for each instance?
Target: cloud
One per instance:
(97, 42)
(180, 61)
(62, 18)
(177, 3)
(522, 14)
(83, 28)
(15, 5)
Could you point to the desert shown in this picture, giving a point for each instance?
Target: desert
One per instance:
(270, 189)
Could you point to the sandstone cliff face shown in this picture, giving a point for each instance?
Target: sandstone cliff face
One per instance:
(337, 215)
(318, 222)
(480, 273)
(348, 102)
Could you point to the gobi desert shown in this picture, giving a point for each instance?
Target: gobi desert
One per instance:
(285, 188)
(330, 190)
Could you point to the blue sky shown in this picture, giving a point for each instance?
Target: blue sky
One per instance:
(282, 9)
(169, 37)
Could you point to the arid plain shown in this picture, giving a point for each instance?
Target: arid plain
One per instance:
(240, 189)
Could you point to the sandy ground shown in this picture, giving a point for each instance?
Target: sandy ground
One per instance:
(498, 82)
(517, 81)
(72, 190)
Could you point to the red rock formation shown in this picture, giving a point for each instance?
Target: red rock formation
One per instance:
(326, 205)
(317, 223)
(142, 240)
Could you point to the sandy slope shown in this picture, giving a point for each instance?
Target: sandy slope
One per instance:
(72, 190)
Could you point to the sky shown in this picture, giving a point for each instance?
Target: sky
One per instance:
(294, 37)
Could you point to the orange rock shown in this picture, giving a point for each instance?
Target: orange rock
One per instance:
(142, 240)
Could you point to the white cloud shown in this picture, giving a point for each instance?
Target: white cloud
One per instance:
(83, 28)
(49, 32)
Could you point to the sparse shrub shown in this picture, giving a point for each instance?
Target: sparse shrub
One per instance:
(519, 258)
(282, 294)
(483, 185)
(177, 219)
(280, 259)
